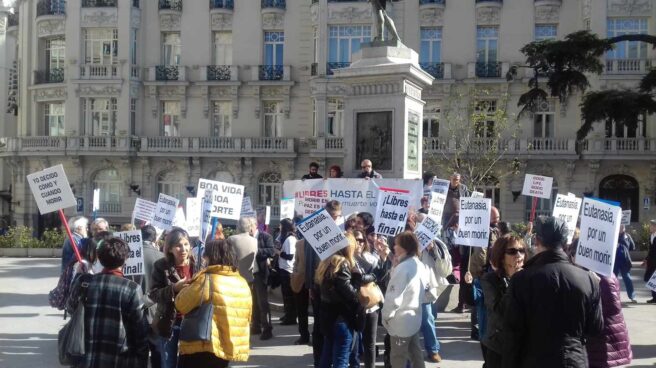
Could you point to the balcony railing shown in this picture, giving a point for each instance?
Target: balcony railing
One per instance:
(434, 69)
(12, 20)
(488, 70)
(277, 4)
(110, 207)
(51, 7)
(627, 66)
(222, 4)
(54, 75)
(489, 1)
(99, 3)
(271, 72)
(167, 73)
(219, 144)
(95, 71)
(549, 145)
(171, 4)
(425, 2)
(218, 72)
(332, 65)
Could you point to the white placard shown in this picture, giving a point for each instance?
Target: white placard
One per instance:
(247, 208)
(165, 211)
(537, 186)
(474, 222)
(51, 189)
(651, 284)
(392, 211)
(438, 200)
(143, 210)
(322, 233)
(440, 186)
(475, 194)
(206, 203)
(626, 217)
(134, 265)
(193, 216)
(600, 228)
(567, 209)
(428, 230)
(96, 200)
(267, 215)
(227, 198)
(287, 208)
(180, 220)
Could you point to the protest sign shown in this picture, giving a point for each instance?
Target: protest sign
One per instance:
(134, 264)
(392, 211)
(226, 200)
(180, 220)
(267, 215)
(322, 233)
(165, 211)
(567, 209)
(626, 217)
(247, 208)
(95, 206)
(193, 216)
(287, 208)
(600, 228)
(51, 189)
(476, 194)
(206, 213)
(537, 186)
(440, 186)
(474, 222)
(437, 202)
(428, 230)
(651, 284)
(143, 210)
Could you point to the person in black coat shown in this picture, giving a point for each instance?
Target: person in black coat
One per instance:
(650, 261)
(552, 306)
(261, 312)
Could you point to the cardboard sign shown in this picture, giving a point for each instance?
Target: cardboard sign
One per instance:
(267, 215)
(287, 208)
(226, 200)
(134, 265)
(567, 209)
(438, 200)
(600, 228)
(428, 230)
(537, 186)
(474, 222)
(475, 194)
(247, 208)
(180, 220)
(626, 217)
(206, 203)
(193, 216)
(322, 233)
(392, 211)
(165, 211)
(143, 210)
(651, 284)
(440, 186)
(51, 189)
(96, 200)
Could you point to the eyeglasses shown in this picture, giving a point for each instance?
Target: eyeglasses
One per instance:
(514, 251)
(365, 166)
(360, 240)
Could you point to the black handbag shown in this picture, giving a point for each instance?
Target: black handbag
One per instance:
(70, 340)
(197, 324)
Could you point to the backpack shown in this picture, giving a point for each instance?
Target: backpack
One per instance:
(59, 295)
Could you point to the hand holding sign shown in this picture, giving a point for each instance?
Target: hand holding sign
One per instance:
(392, 211)
(537, 186)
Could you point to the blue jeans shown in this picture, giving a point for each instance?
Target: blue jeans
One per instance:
(431, 344)
(168, 348)
(626, 276)
(337, 348)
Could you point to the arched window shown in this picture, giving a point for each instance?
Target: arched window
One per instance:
(544, 206)
(109, 184)
(269, 190)
(171, 183)
(623, 189)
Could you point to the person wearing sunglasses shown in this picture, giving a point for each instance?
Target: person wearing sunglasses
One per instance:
(368, 171)
(506, 258)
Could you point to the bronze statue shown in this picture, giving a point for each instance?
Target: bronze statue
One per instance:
(382, 20)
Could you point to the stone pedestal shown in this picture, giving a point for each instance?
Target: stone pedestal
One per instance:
(383, 110)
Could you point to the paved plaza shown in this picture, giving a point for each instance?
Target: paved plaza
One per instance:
(28, 332)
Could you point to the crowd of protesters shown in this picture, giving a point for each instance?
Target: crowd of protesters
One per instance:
(530, 305)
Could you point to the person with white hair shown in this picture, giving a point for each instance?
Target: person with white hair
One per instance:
(78, 226)
(98, 226)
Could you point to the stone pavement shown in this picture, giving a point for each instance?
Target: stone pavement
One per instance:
(28, 326)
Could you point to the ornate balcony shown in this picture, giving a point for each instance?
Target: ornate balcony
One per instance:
(434, 69)
(109, 207)
(222, 4)
(627, 66)
(327, 146)
(220, 72)
(54, 75)
(95, 71)
(271, 72)
(51, 7)
(170, 5)
(212, 145)
(99, 3)
(277, 4)
(332, 65)
(166, 73)
(484, 70)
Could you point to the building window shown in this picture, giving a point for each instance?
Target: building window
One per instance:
(544, 207)
(273, 114)
(171, 48)
(335, 119)
(221, 118)
(55, 53)
(315, 44)
(490, 189)
(431, 45)
(133, 47)
(101, 113)
(484, 116)
(109, 184)
(273, 48)
(269, 187)
(344, 41)
(487, 44)
(133, 116)
(222, 48)
(171, 118)
(431, 128)
(627, 49)
(54, 119)
(545, 32)
(100, 46)
(543, 120)
(170, 183)
(615, 130)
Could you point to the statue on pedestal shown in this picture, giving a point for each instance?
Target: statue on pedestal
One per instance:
(382, 20)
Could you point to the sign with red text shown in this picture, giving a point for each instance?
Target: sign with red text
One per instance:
(227, 198)
(537, 186)
(51, 189)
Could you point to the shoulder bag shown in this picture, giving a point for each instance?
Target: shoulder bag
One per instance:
(370, 295)
(70, 340)
(197, 324)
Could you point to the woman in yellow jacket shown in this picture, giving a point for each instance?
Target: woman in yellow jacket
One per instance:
(232, 301)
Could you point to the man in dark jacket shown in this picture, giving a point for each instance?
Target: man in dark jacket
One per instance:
(552, 306)
(261, 312)
(368, 171)
(650, 261)
(151, 254)
(314, 172)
